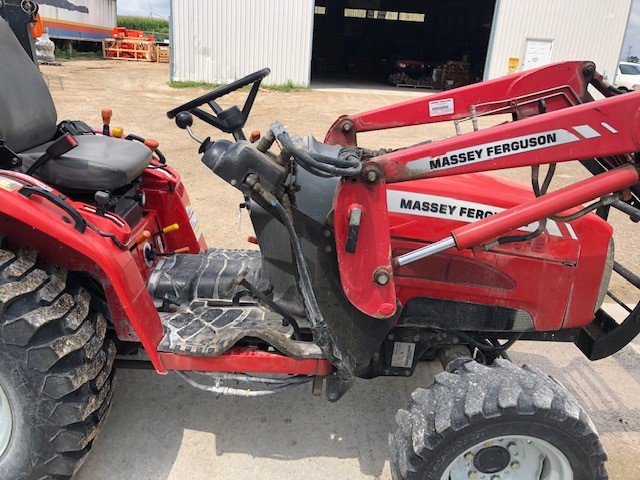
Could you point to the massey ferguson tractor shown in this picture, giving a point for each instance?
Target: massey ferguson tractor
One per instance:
(369, 261)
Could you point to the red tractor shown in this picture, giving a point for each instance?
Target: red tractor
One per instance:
(369, 261)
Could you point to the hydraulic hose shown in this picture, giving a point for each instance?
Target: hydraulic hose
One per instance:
(335, 167)
(239, 392)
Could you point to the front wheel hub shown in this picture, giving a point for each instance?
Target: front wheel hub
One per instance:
(510, 457)
(492, 459)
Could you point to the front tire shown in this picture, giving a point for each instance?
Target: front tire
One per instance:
(497, 421)
(56, 370)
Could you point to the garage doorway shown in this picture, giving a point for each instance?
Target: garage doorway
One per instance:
(368, 41)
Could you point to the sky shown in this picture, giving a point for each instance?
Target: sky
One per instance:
(632, 38)
(160, 8)
(143, 8)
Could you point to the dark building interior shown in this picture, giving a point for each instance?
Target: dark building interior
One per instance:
(364, 39)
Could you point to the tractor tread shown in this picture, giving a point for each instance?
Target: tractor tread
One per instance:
(60, 345)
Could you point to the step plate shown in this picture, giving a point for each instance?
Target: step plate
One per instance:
(207, 328)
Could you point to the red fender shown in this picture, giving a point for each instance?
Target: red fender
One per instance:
(39, 223)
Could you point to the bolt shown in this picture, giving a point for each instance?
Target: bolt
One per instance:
(469, 457)
(512, 447)
(372, 176)
(328, 249)
(233, 182)
(515, 465)
(346, 126)
(382, 277)
(387, 309)
(473, 474)
(390, 336)
(416, 338)
(327, 233)
(407, 373)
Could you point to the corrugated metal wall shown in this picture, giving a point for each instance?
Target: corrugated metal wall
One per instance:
(219, 41)
(580, 30)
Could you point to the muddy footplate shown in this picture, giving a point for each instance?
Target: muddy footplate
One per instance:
(206, 328)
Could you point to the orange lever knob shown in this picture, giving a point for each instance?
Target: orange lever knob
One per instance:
(107, 113)
(152, 144)
(143, 237)
(255, 136)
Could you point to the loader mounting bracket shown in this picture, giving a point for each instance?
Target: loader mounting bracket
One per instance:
(604, 336)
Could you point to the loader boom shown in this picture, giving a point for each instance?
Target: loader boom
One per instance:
(553, 125)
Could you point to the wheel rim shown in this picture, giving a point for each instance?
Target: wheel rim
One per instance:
(6, 421)
(512, 457)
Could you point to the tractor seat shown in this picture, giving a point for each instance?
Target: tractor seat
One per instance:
(97, 163)
(28, 125)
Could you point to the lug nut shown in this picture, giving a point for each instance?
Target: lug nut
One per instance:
(515, 465)
(473, 474)
(469, 457)
(512, 447)
(495, 477)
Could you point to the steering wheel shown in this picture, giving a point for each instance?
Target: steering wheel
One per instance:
(232, 119)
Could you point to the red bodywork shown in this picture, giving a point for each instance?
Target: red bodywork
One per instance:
(567, 259)
(510, 275)
(409, 198)
(124, 272)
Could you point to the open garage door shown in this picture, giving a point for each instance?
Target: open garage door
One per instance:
(434, 43)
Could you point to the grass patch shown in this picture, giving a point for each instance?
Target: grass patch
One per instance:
(281, 87)
(68, 54)
(286, 87)
(190, 84)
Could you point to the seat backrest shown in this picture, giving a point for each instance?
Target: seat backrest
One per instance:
(27, 113)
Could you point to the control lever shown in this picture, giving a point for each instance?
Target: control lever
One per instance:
(184, 120)
(106, 120)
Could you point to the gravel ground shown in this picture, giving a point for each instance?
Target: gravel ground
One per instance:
(160, 428)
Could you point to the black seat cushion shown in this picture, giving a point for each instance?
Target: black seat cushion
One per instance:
(97, 163)
(27, 112)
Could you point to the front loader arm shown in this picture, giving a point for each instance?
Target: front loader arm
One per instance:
(557, 86)
(606, 128)
(595, 129)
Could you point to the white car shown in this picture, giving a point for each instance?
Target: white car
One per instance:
(628, 77)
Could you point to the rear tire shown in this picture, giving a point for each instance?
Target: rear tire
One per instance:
(56, 369)
(484, 421)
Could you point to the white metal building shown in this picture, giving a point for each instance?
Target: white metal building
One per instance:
(218, 41)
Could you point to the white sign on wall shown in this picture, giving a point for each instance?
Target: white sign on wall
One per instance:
(537, 54)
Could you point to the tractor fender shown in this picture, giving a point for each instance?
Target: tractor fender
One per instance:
(61, 240)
